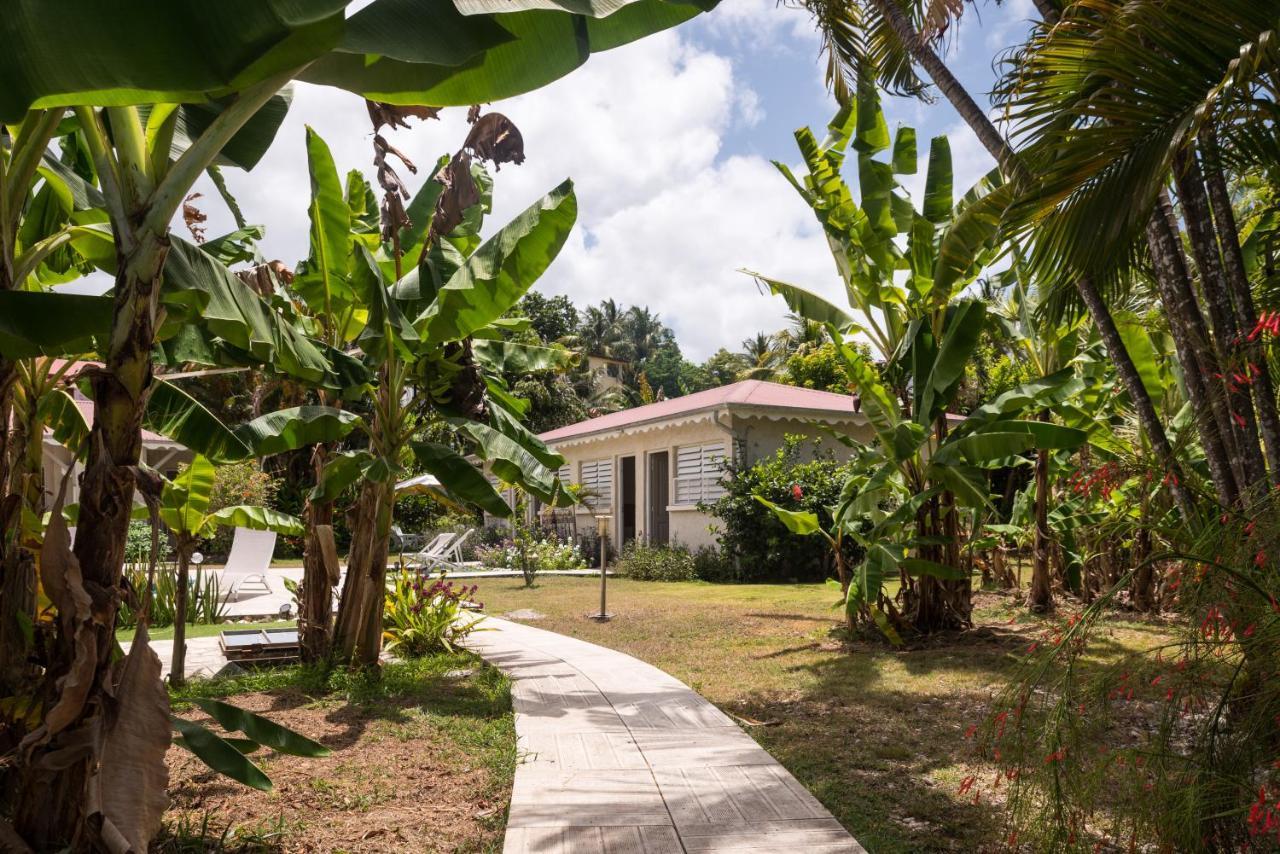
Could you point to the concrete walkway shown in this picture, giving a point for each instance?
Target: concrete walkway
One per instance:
(618, 756)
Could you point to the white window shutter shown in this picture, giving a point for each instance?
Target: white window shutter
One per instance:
(698, 472)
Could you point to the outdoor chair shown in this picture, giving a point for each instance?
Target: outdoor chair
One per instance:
(432, 551)
(449, 556)
(248, 563)
(406, 542)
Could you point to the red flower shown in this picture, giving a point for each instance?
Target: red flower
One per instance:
(796, 492)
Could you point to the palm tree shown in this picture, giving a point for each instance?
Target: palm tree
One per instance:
(644, 332)
(762, 355)
(1135, 132)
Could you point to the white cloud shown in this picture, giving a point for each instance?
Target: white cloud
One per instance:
(679, 252)
(664, 219)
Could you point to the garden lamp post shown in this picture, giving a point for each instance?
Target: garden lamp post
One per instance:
(602, 531)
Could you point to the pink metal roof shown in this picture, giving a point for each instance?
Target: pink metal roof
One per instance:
(86, 410)
(745, 393)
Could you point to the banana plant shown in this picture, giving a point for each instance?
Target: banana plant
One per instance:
(904, 271)
(152, 124)
(183, 508)
(433, 337)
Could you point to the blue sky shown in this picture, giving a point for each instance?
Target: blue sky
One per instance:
(668, 141)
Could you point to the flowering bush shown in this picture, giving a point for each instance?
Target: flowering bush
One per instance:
(545, 553)
(425, 615)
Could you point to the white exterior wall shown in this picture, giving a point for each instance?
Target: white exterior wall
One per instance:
(756, 434)
(687, 525)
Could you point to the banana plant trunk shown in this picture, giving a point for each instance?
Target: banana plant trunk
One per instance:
(177, 669)
(54, 795)
(941, 604)
(1040, 596)
(316, 617)
(358, 635)
(23, 490)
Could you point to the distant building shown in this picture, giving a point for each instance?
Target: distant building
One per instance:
(164, 455)
(608, 371)
(648, 468)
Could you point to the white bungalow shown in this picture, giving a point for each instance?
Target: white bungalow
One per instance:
(648, 468)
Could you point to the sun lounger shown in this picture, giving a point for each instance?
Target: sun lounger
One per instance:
(247, 565)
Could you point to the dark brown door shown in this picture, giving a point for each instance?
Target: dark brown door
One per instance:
(628, 499)
(659, 497)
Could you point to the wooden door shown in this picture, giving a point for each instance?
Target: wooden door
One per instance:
(659, 498)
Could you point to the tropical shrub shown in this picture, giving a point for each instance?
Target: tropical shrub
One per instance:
(137, 548)
(711, 564)
(751, 535)
(423, 615)
(234, 484)
(644, 562)
(204, 601)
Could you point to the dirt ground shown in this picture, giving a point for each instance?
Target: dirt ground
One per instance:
(423, 767)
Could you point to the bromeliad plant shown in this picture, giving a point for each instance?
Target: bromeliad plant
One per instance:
(425, 615)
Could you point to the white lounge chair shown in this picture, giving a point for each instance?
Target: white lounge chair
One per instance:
(432, 551)
(449, 555)
(247, 564)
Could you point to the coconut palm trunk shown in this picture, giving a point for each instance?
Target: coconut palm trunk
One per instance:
(1190, 338)
(1012, 167)
(1237, 282)
(1204, 248)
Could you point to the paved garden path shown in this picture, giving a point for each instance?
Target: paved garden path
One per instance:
(618, 756)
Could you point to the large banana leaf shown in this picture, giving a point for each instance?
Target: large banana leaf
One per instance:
(502, 270)
(197, 289)
(805, 303)
(510, 356)
(324, 282)
(43, 323)
(457, 474)
(258, 519)
(797, 521)
(340, 472)
(511, 461)
(509, 425)
(545, 44)
(173, 413)
(77, 52)
(294, 428)
(58, 411)
(1008, 438)
(942, 375)
(184, 503)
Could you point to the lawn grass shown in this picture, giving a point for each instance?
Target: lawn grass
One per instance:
(876, 732)
(423, 760)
